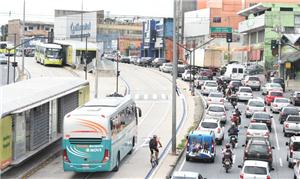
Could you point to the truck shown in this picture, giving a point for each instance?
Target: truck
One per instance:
(208, 58)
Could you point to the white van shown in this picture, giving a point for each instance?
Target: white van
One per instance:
(235, 71)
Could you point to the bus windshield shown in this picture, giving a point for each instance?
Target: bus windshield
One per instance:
(53, 53)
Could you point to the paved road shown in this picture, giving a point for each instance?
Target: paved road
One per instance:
(3, 74)
(215, 170)
(152, 92)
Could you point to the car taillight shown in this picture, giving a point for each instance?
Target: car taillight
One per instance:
(219, 130)
(242, 176)
(65, 156)
(252, 121)
(268, 177)
(106, 156)
(286, 125)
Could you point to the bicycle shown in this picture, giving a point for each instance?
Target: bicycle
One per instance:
(153, 160)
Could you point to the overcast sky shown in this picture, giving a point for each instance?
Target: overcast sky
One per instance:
(43, 10)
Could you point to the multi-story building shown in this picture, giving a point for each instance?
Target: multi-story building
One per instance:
(272, 21)
(98, 27)
(31, 29)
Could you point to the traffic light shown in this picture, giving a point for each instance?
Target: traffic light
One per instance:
(153, 36)
(118, 73)
(274, 44)
(229, 37)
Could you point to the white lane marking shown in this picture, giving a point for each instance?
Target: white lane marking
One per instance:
(146, 96)
(280, 161)
(182, 164)
(233, 159)
(163, 96)
(260, 98)
(136, 96)
(146, 114)
(155, 96)
(276, 136)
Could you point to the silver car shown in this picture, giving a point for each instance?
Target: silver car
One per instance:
(3, 59)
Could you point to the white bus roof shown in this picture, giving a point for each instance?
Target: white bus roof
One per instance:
(49, 45)
(103, 106)
(27, 94)
(77, 44)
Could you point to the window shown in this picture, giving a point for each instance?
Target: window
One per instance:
(30, 28)
(47, 28)
(25, 28)
(241, 70)
(234, 70)
(289, 30)
(297, 19)
(217, 19)
(286, 9)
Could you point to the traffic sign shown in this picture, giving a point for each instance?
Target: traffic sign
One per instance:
(220, 30)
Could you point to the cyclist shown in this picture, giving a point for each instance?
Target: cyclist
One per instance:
(153, 145)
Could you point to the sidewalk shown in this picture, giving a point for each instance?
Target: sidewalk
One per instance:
(194, 110)
(293, 85)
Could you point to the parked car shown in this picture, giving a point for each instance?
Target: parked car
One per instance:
(271, 87)
(269, 98)
(157, 62)
(3, 59)
(258, 150)
(263, 117)
(291, 125)
(209, 86)
(235, 84)
(244, 93)
(295, 98)
(141, 61)
(253, 82)
(133, 59)
(279, 103)
(254, 105)
(279, 81)
(216, 111)
(286, 111)
(293, 150)
(186, 175)
(188, 75)
(195, 140)
(255, 169)
(256, 129)
(215, 98)
(166, 67)
(213, 125)
(180, 70)
(125, 60)
(199, 81)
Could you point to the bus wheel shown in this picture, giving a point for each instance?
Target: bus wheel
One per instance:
(132, 146)
(118, 163)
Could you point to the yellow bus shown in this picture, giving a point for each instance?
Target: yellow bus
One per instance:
(48, 54)
(4, 46)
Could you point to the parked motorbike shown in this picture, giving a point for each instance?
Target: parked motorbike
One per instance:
(233, 139)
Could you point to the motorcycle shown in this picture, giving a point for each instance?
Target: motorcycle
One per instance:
(235, 118)
(233, 140)
(227, 162)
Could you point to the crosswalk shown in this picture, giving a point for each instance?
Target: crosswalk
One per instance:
(151, 97)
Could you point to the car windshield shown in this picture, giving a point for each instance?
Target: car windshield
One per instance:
(275, 85)
(216, 95)
(256, 104)
(293, 118)
(278, 80)
(298, 95)
(209, 125)
(281, 100)
(258, 127)
(261, 116)
(216, 109)
(255, 170)
(291, 111)
(211, 84)
(258, 148)
(276, 94)
(246, 90)
(252, 78)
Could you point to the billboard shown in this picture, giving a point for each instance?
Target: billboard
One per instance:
(5, 141)
(197, 23)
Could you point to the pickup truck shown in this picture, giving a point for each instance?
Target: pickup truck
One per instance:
(291, 125)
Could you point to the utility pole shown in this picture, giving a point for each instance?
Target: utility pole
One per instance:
(118, 74)
(14, 63)
(23, 38)
(81, 26)
(174, 86)
(190, 82)
(8, 62)
(193, 80)
(86, 58)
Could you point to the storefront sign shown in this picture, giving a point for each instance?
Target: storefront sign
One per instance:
(76, 28)
(288, 65)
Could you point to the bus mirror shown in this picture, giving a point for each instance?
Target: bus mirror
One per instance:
(140, 112)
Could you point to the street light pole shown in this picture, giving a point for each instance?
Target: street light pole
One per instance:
(23, 36)
(118, 73)
(174, 86)
(15, 36)
(8, 62)
(86, 58)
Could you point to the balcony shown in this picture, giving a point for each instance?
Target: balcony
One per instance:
(252, 24)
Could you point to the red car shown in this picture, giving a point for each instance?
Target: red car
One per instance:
(271, 95)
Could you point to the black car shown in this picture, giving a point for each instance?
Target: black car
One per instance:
(295, 98)
(279, 81)
(263, 117)
(235, 85)
(286, 111)
(258, 150)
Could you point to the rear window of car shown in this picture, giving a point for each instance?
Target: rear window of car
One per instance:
(296, 146)
(258, 148)
(282, 100)
(234, 70)
(275, 85)
(216, 95)
(246, 90)
(276, 94)
(216, 109)
(261, 116)
(290, 110)
(212, 84)
(256, 104)
(277, 80)
(258, 127)
(255, 170)
(241, 70)
(293, 118)
(252, 78)
(209, 125)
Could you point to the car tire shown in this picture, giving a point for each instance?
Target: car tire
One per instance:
(290, 165)
(285, 134)
(187, 158)
(295, 177)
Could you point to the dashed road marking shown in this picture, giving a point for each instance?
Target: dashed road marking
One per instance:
(280, 162)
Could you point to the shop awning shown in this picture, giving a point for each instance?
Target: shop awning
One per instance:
(292, 37)
(291, 57)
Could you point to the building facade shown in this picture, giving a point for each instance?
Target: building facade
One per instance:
(31, 29)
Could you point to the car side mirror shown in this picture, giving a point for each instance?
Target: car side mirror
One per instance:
(239, 166)
(286, 143)
(273, 147)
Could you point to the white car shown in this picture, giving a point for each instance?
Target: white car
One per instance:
(255, 169)
(213, 125)
(186, 175)
(215, 98)
(209, 86)
(188, 76)
(271, 87)
(257, 129)
(252, 81)
(244, 93)
(216, 111)
(279, 103)
(293, 151)
(253, 106)
(166, 67)
(3, 59)
(297, 170)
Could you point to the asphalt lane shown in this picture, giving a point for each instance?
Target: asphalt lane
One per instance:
(216, 170)
(4, 73)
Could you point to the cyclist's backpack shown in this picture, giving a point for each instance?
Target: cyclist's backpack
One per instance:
(152, 143)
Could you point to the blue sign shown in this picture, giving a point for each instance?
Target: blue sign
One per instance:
(78, 27)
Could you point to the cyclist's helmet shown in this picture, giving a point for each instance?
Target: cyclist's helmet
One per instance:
(154, 136)
(227, 146)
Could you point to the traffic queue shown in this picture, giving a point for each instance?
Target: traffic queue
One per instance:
(223, 97)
